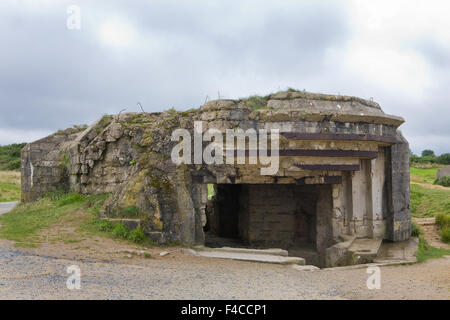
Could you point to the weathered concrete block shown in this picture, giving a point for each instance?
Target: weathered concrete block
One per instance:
(443, 172)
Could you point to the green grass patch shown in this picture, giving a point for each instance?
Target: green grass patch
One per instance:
(211, 191)
(444, 181)
(24, 223)
(415, 230)
(442, 220)
(423, 175)
(427, 202)
(445, 234)
(425, 251)
(121, 231)
(102, 123)
(9, 192)
(256, 102)
(9, 186)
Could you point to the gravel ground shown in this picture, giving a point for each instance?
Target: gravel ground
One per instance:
(25, 275)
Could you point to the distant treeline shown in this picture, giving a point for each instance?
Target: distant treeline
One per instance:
(10, 156)
(428, 156)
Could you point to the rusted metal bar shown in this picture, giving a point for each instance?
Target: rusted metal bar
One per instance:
(320, 180)
(318, 153)
(339, 136)
(330, 167)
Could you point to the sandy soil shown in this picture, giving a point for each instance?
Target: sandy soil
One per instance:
(66, 239)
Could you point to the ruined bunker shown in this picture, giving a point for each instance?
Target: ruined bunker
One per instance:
(343, 174)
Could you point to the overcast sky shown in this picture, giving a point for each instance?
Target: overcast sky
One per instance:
(175, 53)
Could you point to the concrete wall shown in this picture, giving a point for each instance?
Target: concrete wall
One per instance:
(278, 215)
(281, 215)
(46, 165)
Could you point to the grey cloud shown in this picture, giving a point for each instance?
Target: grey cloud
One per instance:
(52, 78)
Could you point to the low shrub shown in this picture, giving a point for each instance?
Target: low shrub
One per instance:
(69, 199)
(445, 234)
(120, 231)
(137, 235)
(442, 220)
(104, 225)
(444, 181)
(123, 232)
(415, 230)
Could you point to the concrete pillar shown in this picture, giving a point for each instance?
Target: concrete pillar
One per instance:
(398, 222)
(186, 210)
(324, 232)
(362, 200)
(348, 200)
(378, 178)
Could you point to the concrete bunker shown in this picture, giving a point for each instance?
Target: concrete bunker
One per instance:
(343, 175)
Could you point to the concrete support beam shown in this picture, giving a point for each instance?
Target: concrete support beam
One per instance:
(399, 216)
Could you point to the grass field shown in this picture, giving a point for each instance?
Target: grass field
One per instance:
(427, 202)
(27, 221)
(423, 175)
(425, 251)
(430, 202)
(9, 186)
(211, 191)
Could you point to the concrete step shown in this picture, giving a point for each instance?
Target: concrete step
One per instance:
(364, 250)
(398, 251)
(252, 257)
(272, 251)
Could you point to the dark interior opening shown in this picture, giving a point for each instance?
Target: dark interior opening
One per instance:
(262, 216)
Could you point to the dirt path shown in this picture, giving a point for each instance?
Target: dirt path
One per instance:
(431, 232)
(430, 186)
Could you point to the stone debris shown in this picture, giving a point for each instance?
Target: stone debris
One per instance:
(305, 268)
